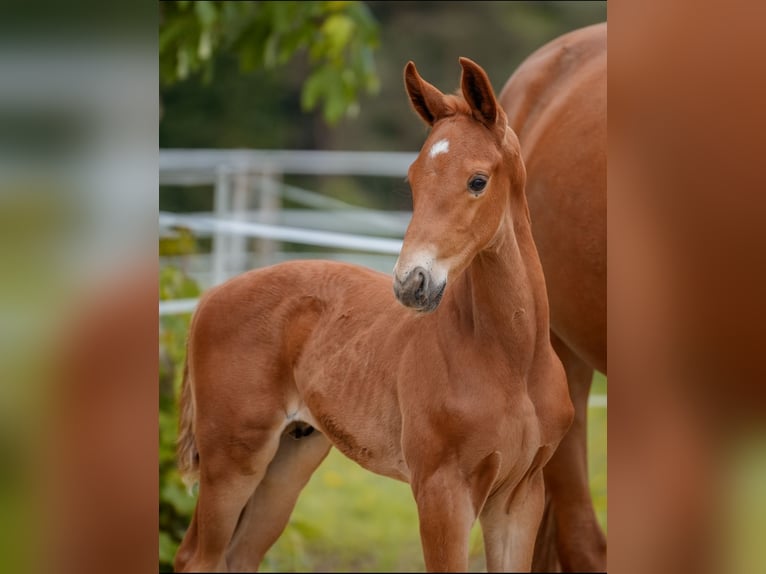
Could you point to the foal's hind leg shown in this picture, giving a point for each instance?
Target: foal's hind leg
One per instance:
(580, 543)
(270, 506)
(231, 466)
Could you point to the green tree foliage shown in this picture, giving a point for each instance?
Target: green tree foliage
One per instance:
(338, 38)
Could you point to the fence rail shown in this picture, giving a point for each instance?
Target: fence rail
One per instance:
(290, 234)
(248, 193)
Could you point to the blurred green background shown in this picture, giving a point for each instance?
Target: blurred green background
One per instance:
(325, 76)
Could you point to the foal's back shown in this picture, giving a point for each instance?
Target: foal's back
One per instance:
(284, 304)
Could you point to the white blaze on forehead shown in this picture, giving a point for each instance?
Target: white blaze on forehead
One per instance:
(442, 146)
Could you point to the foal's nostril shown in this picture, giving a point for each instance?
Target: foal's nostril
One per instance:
(413, 291)
(419, 283)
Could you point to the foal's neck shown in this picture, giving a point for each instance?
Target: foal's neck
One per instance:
(504, 288)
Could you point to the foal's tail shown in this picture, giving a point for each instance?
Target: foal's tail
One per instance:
(186, 446)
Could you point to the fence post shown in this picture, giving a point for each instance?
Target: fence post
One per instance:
(221, 202)
(269, 206)
(240, 203)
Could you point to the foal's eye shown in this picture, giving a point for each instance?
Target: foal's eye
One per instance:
(477, 183)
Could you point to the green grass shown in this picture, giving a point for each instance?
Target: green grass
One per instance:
(350, 520)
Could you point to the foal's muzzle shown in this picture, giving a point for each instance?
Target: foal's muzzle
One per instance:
(418, 291)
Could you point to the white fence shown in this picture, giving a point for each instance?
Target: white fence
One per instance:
(248, 191)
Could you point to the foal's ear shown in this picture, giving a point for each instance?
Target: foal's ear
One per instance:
(427, 100)
(477, 91)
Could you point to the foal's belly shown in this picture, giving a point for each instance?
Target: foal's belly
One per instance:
(346, 377)
(353, 420)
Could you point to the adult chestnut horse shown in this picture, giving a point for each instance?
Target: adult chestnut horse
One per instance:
(556, 103)
(454, 388)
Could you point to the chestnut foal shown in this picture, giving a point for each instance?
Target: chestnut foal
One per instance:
(452, 385)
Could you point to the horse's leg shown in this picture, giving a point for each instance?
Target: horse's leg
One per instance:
(270, 506)
(580, 541)
(448, 503)
(509, 524)
(446, 515)
(231, 466)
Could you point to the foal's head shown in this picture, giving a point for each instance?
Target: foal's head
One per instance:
(461, 181)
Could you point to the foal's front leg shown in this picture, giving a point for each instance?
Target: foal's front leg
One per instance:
(449, 500)
(446, 514)
(510, 521)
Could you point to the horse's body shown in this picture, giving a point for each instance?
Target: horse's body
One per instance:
(454, 388)
(556, 103)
